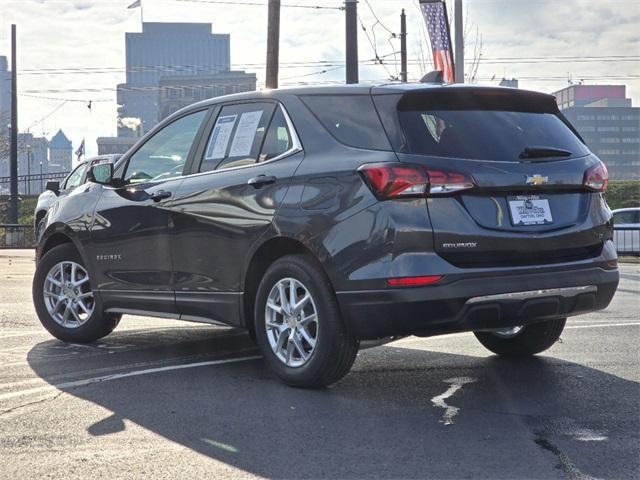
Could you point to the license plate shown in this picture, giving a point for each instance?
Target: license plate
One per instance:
(530, 210)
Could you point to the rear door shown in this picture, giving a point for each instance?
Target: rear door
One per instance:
(133, 224)
(528, 203)
(240, 176)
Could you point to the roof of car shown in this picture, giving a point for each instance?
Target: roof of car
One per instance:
(344, 89)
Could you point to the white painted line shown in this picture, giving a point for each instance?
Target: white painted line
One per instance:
(604, 325)
(117, 376)
(439, 401)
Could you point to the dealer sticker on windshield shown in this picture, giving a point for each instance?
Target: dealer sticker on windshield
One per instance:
(530, 210)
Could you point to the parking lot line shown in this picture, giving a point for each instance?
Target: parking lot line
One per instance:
(117, 376)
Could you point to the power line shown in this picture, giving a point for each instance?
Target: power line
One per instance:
(258, 4)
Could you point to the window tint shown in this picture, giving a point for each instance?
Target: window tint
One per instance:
(622, 218)
(75, 178)
(237, 136)
(278, 139)
(164, 155)
(351, 119)
(485, 134)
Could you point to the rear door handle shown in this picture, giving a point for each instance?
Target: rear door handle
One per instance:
(261, 180)
(160, 195)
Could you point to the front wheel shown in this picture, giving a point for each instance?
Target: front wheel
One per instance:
(298, 325)
(525, 340)
(64, 300)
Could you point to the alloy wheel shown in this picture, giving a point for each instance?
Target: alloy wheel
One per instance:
(291, 321)
(68, 295)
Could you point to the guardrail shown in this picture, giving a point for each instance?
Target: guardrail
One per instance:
(627, 240)
(16, 236)
(30, 184)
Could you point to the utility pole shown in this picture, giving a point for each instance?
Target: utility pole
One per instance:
(13, 162)
(403, 47)
(351, 35)
(459, 33)
(273, 43)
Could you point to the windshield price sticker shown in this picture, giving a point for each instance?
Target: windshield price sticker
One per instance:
(530, 210)
(220, 137)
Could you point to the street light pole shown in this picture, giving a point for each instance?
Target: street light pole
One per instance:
(28, 170)
(351, 34)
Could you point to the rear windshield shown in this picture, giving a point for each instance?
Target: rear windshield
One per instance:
(497, 129)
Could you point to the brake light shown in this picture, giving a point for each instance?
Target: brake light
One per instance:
(400, 180)
(597, 177)
(413, 281)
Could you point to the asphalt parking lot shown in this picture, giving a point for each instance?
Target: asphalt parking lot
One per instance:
(165, 399)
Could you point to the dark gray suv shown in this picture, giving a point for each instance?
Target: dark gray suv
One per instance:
(319, 217)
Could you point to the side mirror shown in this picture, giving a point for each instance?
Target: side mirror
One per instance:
(101, 173)
(53, 185)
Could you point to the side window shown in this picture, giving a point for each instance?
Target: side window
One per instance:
(236, 138)
(75, 178)
(278, 139)
(164, 155)
(351, 119)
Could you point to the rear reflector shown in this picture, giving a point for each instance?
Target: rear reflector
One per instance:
(402, 180)
(597, 177)
(413, 281)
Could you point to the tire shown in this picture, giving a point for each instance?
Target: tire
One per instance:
(531, 339)
(333, 351)
(78, 327)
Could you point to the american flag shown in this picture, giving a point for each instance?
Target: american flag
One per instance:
(435, 16)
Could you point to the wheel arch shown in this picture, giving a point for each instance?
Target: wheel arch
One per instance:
(57, 235)
(267, 253)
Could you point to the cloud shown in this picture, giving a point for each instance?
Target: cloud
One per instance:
(78, 34)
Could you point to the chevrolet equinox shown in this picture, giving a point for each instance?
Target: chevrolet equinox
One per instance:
(319, 217)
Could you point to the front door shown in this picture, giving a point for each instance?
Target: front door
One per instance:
(241, 174)
(133, 224)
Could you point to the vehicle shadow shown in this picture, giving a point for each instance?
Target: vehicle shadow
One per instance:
(517, 418)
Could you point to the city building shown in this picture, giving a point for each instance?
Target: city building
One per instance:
(113, 145)
(174, 49)
(608, 123)
(33, 159)
(5, 94)
(60, 153)
(179, 91)
(505, 82)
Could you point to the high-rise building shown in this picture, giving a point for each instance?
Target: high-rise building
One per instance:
(176, 49)
(5, 93)
(60, 153)
(179, 91)
(608, 123)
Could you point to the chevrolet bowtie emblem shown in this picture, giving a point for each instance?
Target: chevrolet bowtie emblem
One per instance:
(537, 180)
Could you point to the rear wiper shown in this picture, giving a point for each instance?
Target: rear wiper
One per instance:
(543, 152)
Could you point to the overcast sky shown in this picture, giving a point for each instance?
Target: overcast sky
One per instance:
(516, 34)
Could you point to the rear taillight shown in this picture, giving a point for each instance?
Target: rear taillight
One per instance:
(400, 180)
(597, 177)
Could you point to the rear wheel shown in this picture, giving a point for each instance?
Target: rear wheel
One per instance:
(64, 299)
(298, 325)
(523, 340)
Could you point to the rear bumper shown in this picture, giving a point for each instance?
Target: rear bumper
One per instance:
(496, 300)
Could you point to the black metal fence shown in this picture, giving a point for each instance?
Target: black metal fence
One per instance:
(30, 184)
(16, 236)
(627, 240)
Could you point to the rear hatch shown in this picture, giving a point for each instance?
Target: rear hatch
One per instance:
(511, 171)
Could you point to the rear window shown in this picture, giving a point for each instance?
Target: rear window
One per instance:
(351, 119)
(482, 126)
